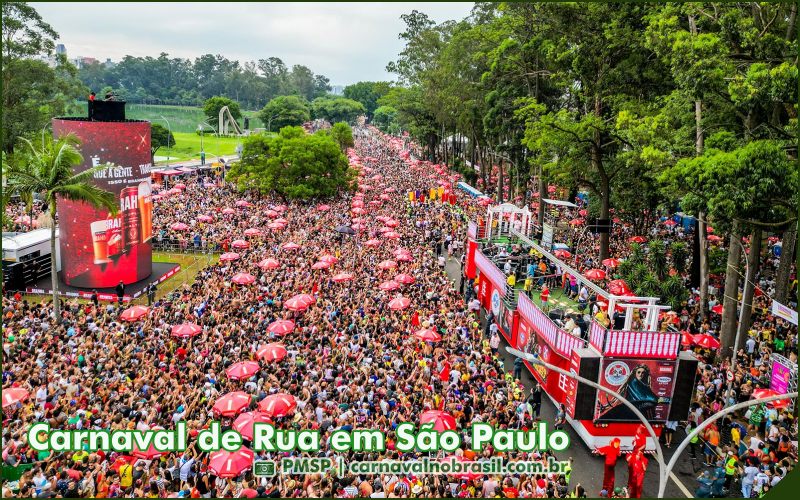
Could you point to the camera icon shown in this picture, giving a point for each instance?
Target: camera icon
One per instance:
(263, 468)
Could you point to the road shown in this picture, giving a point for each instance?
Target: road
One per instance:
(588, 467)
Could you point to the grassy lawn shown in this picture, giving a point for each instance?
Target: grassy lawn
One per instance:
(190, 264)
(187, 146)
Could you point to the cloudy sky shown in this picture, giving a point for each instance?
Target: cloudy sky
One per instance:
(347, 42)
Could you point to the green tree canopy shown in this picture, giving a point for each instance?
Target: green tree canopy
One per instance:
(160, 136)
(343, 135)
(385, 118)
(293, 164)
(367, 93)
(285, 111)
(336, 109)
(213, 104)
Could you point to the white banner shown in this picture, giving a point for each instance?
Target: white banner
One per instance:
(784, 312)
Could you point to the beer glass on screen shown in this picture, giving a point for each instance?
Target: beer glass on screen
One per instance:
(145, 211)
(100, 241)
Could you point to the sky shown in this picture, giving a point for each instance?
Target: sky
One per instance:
(347, 42)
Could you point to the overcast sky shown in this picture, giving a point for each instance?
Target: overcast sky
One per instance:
(347, 42)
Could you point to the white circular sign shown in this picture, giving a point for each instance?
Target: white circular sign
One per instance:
(495, 302)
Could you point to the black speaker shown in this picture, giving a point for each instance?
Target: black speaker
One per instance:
(585, 396)
(15, 276)
(683, 393)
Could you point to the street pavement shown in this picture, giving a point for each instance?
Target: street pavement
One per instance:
(587, 466)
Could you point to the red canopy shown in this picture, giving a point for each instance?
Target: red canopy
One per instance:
(706, 341)
(442, 421)
(321, 265)
(269, 264)
(242, 203)
(297, 303)
(281, 327)
(14, 395)
(271, 352)
(618, 287)
(392, 235)
(768, 393)
(227, 464)
(242, 369)
(323, 208)
(179, 226)
(389, 285)
(134, 313)
(276, 226)
(399, 303)
(205, 218)
(405, 279)
(342, 277)
(595, 274)
(231, 404)
(243, 279)
(185, 330)
(240, 244)
(290, 246)
(372, 243)
(562, 254)
(428, 335)
(637, 239)
(229, 256)
(252, 231)
(244, 423)
(610, 262)
(387, 264)
(278, 405)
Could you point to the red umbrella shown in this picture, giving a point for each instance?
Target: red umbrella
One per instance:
(278, 405)
(243, 279)
(768, 393)
(228, 211)
(706, 341)
(687, 339)
(428, 335)
(248, 493)
(392, 235)
(330, 259)
(269, 264)
(252, 232)
(618, 287)
(186, 330)
(231, 404)
(290, 246)
(229, 256)
(405, 257)
(713, 238)
(357, 204)
(399, 303)
(358, 210)
(244, 423)
(562, 254)
(13, 396)
(372, 243)
(205, 218)
(342, 277)
(242, 369)
(637, 239)
(392, 223)
(485, 201)
(717, 309)
(134, 313)
(321, 265)
(296, 304)
(179, 226)
(323, 208)
(670, 222)
(442, 421)
(272, 214)
(276, 226)
(281, 327)
(595, 274)
(271, 352)
(240, 244)
(387, 264)
(576, 222)
(389, 285)
(242, 203)
(405, 279)
(148, 454)
(610, 262)
(582, 212)
(227, 464)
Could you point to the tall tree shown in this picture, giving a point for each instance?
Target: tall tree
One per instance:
(50, 172)
(285, 111)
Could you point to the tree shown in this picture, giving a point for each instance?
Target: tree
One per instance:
(385, 118)
(343, 135)
(336, 109)
(367, 93)
(213, 104)
(284, 111)
(33, 92)
(50, 172)
(293, 164)
(160, 136)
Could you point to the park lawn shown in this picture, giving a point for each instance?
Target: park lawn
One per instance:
(180, 118)
(187, 146)
(191, 264)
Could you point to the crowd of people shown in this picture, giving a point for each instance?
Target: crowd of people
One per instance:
(352, 361)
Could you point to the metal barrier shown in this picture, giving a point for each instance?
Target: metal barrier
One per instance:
(187, 246)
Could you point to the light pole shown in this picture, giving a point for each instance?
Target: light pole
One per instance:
(169, 129)
(591, 383)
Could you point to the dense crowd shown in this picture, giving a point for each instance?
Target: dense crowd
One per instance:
(352, 361)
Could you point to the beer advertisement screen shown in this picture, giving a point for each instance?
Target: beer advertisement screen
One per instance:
(99, 250)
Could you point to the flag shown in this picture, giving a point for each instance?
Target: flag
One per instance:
(444, 375)
(415, 319)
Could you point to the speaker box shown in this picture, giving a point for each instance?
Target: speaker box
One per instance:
(683, 394)
(15, 276)
(585, 396)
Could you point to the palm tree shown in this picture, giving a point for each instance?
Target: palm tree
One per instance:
(49, 170)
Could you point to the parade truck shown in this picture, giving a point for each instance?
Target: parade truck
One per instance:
(644, 365)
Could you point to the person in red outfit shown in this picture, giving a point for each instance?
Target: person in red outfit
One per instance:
(640, 439)
(611, 453)
(637, 465)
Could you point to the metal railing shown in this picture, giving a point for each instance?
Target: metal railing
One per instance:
(172, 246)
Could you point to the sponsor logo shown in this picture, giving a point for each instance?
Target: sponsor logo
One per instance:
(617, 373)
(663, 380)
(496, 302)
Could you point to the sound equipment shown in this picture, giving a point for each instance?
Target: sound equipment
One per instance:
(14, 276)
(683, 394)
(107, 111)
(586, 396)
